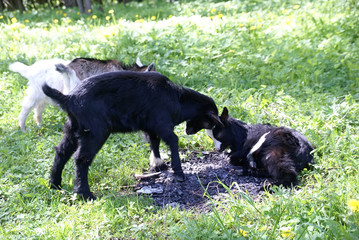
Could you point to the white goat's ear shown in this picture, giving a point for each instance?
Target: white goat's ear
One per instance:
(151, 67)
(138, 62)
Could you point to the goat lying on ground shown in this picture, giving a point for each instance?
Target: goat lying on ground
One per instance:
(126, 102)
(281, 152)
(81, 68)
(44, 71)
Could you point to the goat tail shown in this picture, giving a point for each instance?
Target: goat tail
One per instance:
(59, 98)
(70, 79)
(19, 68)
(61, 68)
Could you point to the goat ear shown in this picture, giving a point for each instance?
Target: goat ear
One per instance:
(225, 115)
(151, 67)
(216, 119)
(138, 62)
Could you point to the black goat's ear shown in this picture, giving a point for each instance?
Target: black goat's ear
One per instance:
(216, 119)
(225, 115)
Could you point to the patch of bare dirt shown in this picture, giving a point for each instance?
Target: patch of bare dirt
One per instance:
(201, 168)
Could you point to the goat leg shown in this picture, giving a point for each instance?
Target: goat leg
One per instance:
(90, 142)
(172, 141)
(82, 187)
(64, 150)
(156, 162)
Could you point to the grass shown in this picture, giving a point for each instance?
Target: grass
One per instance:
(291, 63)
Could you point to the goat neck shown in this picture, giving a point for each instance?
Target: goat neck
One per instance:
(240, 130)
(192, 103)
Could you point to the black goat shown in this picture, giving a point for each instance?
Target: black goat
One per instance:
(281, 152)
(126, 102)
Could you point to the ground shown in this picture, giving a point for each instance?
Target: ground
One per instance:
(205, 171)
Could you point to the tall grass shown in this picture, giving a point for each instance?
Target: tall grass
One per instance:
(291, 63)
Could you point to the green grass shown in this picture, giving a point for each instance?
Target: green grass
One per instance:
(291, 63)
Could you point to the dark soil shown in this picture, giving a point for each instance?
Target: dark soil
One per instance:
(209, 169)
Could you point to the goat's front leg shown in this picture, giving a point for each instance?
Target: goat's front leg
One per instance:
(237, 158)
(172, 141)
(156, 162)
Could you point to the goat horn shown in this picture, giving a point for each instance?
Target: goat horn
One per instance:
(138, 62)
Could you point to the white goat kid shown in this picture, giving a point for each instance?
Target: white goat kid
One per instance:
(37, 74)
(64, 76)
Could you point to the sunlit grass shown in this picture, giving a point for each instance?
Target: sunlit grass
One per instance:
(283, 62)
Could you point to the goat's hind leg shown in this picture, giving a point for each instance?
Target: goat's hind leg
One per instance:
(156, 162)
(27, 105)
(32, 98)
(282, 168)
(39, 108)
(89, 145)
(64, 151)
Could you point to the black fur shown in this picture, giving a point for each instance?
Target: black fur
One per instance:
(125, 102)
(284, 153)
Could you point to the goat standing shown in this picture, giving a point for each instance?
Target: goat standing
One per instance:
(126, 102)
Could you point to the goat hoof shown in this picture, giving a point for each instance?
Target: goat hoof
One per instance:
(86, 196)
(179, 177)
(55, 186)
(245, 172)
(252, 164)
(160, 168)
(236, 162)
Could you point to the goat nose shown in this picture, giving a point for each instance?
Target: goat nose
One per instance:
(217, 145)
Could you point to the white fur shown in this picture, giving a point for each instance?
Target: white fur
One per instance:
(155, 162)
(70, 79)
(260, 142)
(37, 74)
(217, 144)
